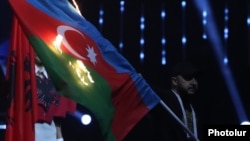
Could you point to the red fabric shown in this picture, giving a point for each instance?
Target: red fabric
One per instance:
(22, 109)
(65, 105)
(50, 103)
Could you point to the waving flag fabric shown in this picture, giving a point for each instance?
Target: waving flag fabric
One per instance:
(85, 66)
(22, 97)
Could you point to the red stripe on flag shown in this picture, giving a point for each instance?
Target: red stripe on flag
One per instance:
(129, 108)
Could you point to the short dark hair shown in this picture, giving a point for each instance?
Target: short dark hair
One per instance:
(185, 69)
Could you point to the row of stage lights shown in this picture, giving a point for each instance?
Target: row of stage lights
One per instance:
(163, 15)
(209, 33)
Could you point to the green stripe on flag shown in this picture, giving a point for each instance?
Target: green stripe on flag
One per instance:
(62, 69)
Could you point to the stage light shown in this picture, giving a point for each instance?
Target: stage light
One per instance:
(183, 3)
(225, 60)
(122, 10)
(163, 38)
(248, 21)
(122, 4)
(226, 30)
(101, 19)
(184, 37)
(142, 28)
(86, 119)
(83, 117)
(121, 45)
(101, 13)
(204, 22)
(2, 126)
(184, 40)
(245, 123)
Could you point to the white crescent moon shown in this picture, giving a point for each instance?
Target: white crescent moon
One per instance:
(61, 30)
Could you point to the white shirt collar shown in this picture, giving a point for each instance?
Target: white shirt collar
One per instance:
(41, 69)
(185, 116)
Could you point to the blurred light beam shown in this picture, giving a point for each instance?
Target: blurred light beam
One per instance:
(217, 46)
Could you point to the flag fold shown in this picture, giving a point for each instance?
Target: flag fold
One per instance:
(22, 94)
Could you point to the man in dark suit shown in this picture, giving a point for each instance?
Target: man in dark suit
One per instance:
(184, 85)
(177, 118)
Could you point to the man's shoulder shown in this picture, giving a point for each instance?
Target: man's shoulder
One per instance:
(167, 95)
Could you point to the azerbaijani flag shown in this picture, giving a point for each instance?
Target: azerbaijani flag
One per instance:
(85, 66)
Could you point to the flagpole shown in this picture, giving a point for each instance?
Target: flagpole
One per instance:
(178, 120)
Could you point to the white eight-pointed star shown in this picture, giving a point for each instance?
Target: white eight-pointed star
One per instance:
(91, 55)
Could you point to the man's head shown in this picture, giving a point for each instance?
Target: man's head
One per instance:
(184, 78)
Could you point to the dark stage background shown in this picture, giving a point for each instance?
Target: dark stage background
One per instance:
(213, 103)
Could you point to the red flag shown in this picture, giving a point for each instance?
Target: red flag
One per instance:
(20, 74)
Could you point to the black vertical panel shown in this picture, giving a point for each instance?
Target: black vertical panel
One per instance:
(238, 48)
(6, 17)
